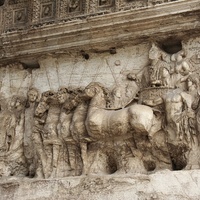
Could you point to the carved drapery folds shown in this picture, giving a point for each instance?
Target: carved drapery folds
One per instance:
(151, 123)
(23, 14)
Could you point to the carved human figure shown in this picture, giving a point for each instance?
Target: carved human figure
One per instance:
(65, 117)
(177, 108)
(17, 107)
(181, 69)
(68, 128)
(4, 117)
(38, 138)
(78, 128)
(159, 70)
(120, 97)
(117, 97)
(29, 148)
(64, 129)
(7, 123)
(192, 83)
(196, 107)
(193, 126)
(14, 136)
(165, 77)
(188, 115)
(51, 140)
(177, 104)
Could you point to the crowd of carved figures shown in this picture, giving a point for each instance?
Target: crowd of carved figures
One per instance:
(93, 130)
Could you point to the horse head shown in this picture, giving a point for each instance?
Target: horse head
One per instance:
(17, 103)
(41, 109)
(94, 89)
(73, 97)
(62, 95)
(48, 96)
(97, 93)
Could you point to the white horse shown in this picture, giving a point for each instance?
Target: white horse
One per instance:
(103, 124)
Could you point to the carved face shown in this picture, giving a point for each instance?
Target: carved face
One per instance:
(16, 104)
(165, 73)
(117, 92)
(62, 96)
(154, 53)
(32, 95)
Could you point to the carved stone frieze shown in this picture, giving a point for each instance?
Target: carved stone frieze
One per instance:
(99, 99)
(148, 120)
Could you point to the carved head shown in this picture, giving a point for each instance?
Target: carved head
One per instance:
(95, 88)
(193, 79)
(33, 95)
(177, 57)
(117, 92)
(48, 96)
(17, 103)
(41, 108)
(154, 52)
(62, 95)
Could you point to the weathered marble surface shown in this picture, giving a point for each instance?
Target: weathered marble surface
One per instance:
(116, 59)
(161, 185)
(136, 110)
(36, 38)
(68, 45)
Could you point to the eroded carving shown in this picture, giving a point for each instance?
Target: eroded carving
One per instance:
(148, 122)
(29, 148)
(12, 154)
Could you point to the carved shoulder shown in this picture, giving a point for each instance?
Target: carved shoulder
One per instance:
(195, 103)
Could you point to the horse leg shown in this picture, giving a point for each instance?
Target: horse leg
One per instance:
(56, 150)
(83, 146)
(47, 167)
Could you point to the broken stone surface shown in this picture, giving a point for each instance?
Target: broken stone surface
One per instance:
(63, 120)
(99, 99)
(161, 185)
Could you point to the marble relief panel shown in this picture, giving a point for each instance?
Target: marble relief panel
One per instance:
(132, 111)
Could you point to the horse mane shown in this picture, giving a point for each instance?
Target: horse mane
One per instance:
(105, 90)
